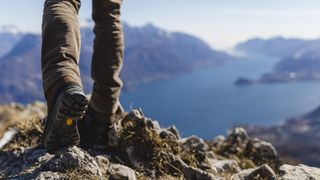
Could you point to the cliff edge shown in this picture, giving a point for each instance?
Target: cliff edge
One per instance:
(138, 149)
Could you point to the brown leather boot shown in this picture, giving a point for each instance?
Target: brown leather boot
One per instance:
(61, 128)
(94, 128)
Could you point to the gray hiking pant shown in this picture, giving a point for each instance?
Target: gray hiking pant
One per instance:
(61, 51)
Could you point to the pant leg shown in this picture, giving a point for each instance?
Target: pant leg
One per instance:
(60, 47)
(107, 57)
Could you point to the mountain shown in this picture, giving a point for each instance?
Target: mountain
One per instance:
(164, 156)
(20, 77)
(9, 36)
(278, 47)
(296, 138)
(303, 65)
(303, 61)
(163, 54)
(151, 54)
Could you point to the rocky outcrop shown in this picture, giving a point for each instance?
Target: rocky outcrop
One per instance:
(289, 172)
(262, 172)
(139, 148)
(297, 139)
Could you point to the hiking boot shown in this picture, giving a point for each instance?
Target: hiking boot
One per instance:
(61, 126)
(94, 128)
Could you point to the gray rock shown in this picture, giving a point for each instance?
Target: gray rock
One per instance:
(32, 155)
(301, 172)
(264, 149)
(218, 141)
(239, 134)
(224, 166)
(191, 173)
(235, 143)
(50, 176)
(165, 134)
(192, 142)
(171, 133)
(115, 132)
(120, 172)
(261, 152)
(196, 145)
(262, 172)
(175, 131)
(134, 159)
(151, 124)
(130, 134)
(237, 139)
(103, 163)
(73, 158)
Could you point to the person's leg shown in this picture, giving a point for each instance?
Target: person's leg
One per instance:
(107, 56)
(60, 47)
(106, 66)
(61, 77)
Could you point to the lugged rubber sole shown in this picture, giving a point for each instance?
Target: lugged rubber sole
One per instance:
(61, 127)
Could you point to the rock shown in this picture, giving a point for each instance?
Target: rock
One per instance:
(261, 148)
(192, 142)
(253, 152)
(238, 138)
(103, 163)
(116, 130)
(151, 124)
(191, 173)
(235, 143)
(73, 158)
(301, 172)
(261, 152)
(224, 166)
(218, 142)
(143, 150)
(138, 142)
(262, 172)
(175, 131)
(165, 134)
(195, 145)
(120, 172)
(49, 175)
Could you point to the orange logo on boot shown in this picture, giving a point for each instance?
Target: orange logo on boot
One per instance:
(69, 122)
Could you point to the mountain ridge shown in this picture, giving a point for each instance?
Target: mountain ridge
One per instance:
(9, 36)
(151, 54)
(277, 46)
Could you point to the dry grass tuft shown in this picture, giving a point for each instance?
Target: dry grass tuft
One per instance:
(28, 122)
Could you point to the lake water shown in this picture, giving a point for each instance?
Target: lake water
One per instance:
(207, 103)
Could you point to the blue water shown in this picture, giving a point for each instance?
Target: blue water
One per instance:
(207, 103)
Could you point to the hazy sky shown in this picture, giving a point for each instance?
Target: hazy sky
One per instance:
(222, 23)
